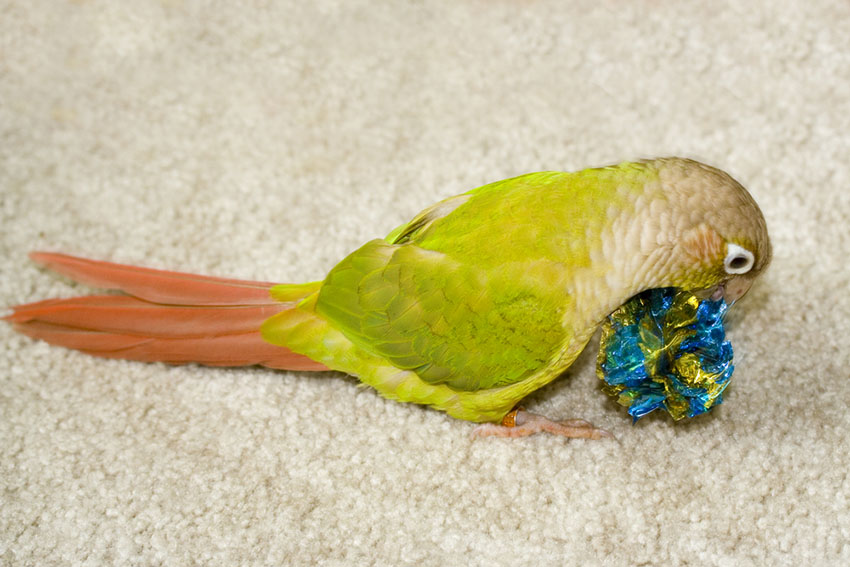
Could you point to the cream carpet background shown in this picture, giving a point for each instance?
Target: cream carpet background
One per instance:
(266, 140)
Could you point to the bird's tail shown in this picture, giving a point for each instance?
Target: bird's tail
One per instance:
(163, 316)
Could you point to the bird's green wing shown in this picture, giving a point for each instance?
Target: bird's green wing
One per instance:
(451, 323)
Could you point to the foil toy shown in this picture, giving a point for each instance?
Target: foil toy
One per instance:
(666, 348)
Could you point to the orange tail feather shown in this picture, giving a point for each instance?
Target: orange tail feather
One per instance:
(167, 317)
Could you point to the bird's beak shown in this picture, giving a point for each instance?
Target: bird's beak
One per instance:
(712, 293)
(731, 290)
(736, 288)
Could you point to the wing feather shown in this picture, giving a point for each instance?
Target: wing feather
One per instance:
(449, 323)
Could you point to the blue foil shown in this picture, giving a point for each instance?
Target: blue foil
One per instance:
(666, 348)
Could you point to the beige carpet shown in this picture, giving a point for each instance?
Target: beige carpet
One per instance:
(267, 139)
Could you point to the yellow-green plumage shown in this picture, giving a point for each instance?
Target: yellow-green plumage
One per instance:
(487, 296)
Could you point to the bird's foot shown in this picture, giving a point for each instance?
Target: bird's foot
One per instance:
(520, 423)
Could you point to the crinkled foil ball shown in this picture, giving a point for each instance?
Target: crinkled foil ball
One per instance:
(666, 348)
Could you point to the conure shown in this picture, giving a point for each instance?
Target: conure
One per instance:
(478, 301)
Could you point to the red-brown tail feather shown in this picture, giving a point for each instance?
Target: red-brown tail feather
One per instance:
(167, 316)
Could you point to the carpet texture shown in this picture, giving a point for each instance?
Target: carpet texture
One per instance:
(265, 140)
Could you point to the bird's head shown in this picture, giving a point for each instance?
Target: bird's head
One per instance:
(721, 244)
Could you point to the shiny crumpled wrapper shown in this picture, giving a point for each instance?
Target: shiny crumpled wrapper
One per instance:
(666, 348)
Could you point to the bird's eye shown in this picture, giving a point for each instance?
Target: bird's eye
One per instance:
(738, 260)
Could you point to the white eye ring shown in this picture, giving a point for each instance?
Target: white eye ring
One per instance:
(738, 260)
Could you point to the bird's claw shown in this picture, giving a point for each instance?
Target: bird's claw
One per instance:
(520, 423)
